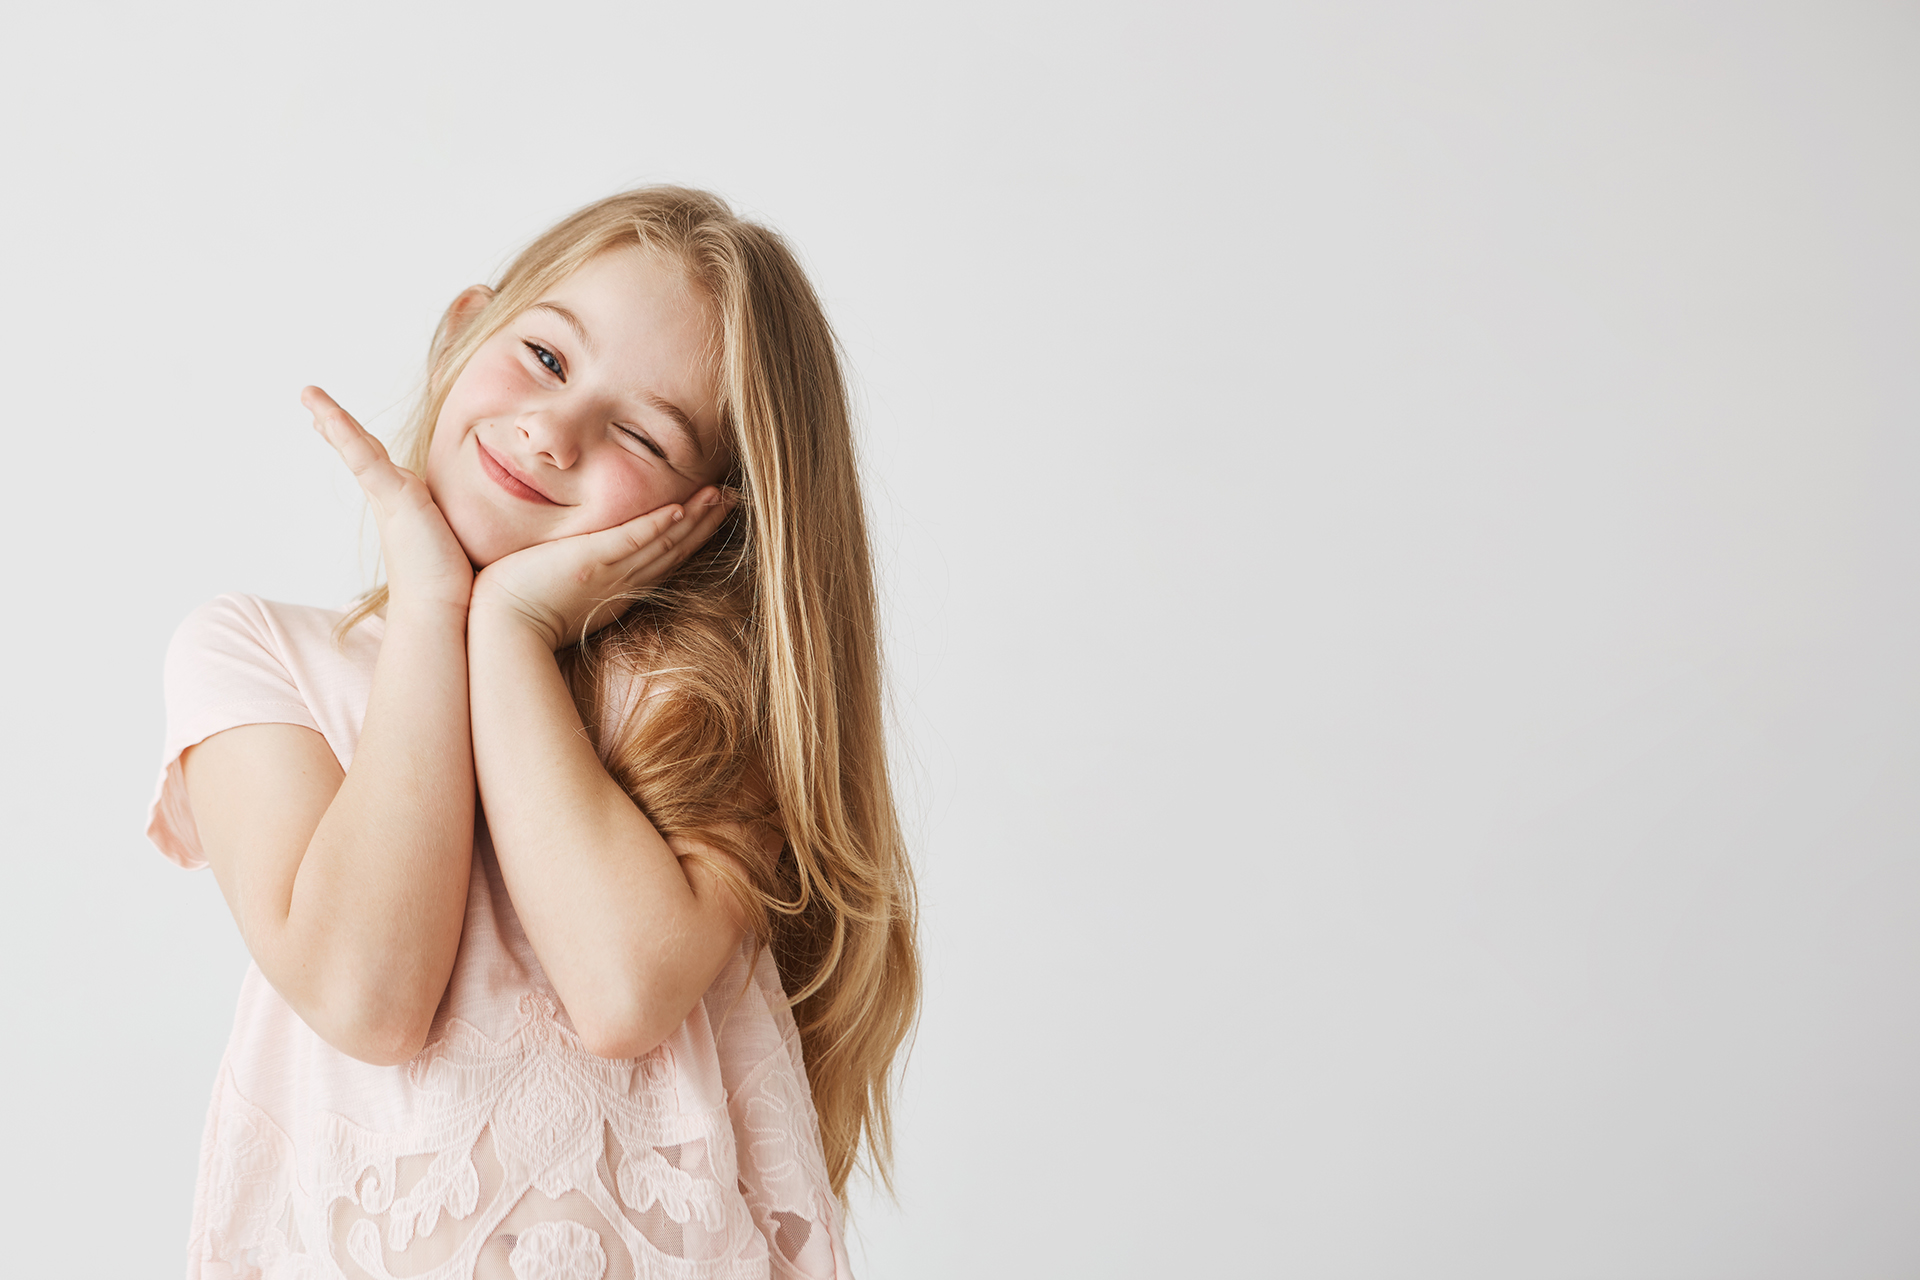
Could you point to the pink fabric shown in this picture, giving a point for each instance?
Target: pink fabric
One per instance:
(505, 1148)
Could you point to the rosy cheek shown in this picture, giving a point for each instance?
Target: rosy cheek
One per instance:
(628, 488)
(490, 379)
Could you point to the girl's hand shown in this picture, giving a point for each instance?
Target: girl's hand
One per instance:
(425, 563)
(570, 587)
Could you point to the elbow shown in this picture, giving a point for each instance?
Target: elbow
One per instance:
(620, 1041)
(621, 1029)
(382, 1046)
(377, 1009)
(375, 1029)
(617, 1046)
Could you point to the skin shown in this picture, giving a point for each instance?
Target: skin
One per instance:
(558, 477)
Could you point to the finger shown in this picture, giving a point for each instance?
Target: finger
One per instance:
(706, 518)
(364, 455)
(704, 514)
(643, 536)
(659, 540)
(337, 427)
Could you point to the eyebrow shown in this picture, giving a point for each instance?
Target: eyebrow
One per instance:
(680, 419)
(572, 321)
(659, 403)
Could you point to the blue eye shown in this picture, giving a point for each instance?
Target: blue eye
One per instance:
(547, 358)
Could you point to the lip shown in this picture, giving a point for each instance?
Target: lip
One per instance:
(502, 473)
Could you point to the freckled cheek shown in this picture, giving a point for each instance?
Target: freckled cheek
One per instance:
(489, 385)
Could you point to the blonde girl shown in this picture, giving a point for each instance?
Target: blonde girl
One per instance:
(582, 929)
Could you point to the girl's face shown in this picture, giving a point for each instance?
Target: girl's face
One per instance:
(596, 404)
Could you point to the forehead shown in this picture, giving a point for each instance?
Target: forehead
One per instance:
(636, 293)
(647, 330)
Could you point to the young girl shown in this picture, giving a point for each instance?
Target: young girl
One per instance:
(535, 849)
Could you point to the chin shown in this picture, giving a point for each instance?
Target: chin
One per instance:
(483, 546)
(483, 555)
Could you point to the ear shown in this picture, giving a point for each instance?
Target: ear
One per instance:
(460, 314)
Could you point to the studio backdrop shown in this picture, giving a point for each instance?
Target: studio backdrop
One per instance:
(1400, 566)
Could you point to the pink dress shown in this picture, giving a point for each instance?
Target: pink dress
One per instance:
(505, 1148)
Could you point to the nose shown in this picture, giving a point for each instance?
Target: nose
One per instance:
(553, 433)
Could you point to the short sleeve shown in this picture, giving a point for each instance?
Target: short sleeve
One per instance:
(224, 669)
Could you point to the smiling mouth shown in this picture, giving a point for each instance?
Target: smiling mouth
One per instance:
(501, 474)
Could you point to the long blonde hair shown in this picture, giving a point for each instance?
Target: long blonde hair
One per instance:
(767, 641)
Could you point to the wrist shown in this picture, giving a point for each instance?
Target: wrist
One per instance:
(437, 590)
(424, 612)
(499, 615)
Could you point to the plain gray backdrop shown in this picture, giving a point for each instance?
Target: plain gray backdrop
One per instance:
(1399, 543)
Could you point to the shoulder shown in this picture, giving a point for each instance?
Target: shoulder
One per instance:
(237, 614)
(241, 647)
(224, 615)
(226, 629)
(239, 623)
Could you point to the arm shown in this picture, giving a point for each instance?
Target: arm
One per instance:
(629, 935)
(350, 889)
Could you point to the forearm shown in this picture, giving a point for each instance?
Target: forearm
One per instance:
(375, 910)
(628, 940)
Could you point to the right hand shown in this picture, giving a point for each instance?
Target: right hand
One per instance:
(425, 563)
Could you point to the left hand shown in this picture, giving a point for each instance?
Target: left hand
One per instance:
(570, 587)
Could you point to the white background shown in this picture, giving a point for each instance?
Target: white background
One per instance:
(1399, 537)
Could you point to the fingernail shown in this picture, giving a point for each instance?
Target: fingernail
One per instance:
(678, 515)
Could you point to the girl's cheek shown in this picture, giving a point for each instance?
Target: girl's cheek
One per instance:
(630, 488)
(488, 380)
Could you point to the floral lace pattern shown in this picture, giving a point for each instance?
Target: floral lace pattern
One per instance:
(599, 1152)
(557, 1251)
